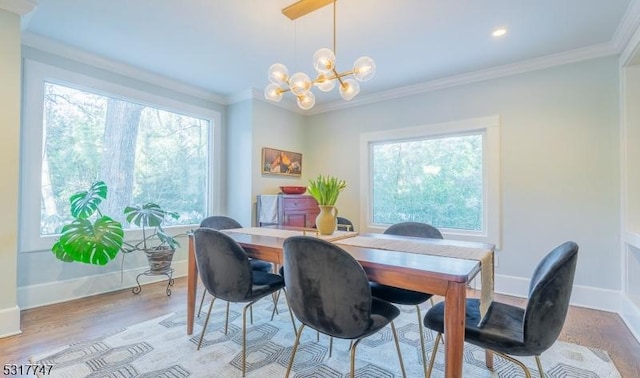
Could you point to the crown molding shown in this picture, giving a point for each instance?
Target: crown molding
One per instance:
(19, 7)
(51, 46)
(573, 56)
(627, 27)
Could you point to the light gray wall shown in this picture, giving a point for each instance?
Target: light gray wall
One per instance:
(278, 128)
(560, 159)
(9, 155)
(238, 161)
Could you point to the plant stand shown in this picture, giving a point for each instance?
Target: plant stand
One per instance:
(150, 272)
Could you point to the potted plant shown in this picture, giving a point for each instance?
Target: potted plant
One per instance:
(325, 190)
(95, 238)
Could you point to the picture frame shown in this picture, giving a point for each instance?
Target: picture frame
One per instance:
(280, 162)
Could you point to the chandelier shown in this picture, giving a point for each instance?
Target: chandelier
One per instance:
(324, 62)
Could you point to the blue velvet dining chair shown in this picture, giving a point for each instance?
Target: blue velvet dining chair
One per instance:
(221, 222)
(403, 296)
(511, 330)
(226, 273)
(317, 273)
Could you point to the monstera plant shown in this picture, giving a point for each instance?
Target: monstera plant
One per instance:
(95, 238)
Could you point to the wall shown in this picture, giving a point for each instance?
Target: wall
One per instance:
(281, 129)
(560, 164)
(9, 154)
(239, 162)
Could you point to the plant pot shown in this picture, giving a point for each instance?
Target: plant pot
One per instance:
(160, 259)
(326, 221)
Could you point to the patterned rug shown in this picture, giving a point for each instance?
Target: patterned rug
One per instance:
(161, 348)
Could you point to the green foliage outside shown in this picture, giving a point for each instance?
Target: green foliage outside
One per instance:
(436, 181)
(169, 165)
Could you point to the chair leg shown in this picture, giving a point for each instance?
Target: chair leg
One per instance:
(527, 374)
(204, 292)
(395, 337)
(226, 321)
(206, 321)
(424, 353)
(293, 352)
(488, 359)
(353, 357)
(251, 312)
(431, 301)
(293, 323)
(275, 303)
(244, 336)
(540, 366)
(433, 354)
(330, 345)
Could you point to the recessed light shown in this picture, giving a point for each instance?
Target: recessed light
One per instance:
(499, 32)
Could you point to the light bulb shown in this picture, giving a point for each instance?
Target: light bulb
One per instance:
(278, 73)
(299, 83)
(349, 89)
(307, 101)
(364, 68)
(324, 83)
(324, 60)
(273, 92)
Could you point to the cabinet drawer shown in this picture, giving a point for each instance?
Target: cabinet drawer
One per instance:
(299, 203)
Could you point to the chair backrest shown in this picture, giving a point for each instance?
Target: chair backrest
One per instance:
(328, 290)
(416, 229)
(344, 222)
(220, 222)
(549, 295)
(223, 265)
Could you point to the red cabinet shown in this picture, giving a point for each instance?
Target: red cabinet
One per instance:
(291, 210)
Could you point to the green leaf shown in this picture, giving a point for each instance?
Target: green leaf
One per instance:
(325, 190)
(85, 203)
(60, 253)
(96, 243)
(149, 215)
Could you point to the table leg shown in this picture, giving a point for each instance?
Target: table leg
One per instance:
(454, 318)
(192, 283)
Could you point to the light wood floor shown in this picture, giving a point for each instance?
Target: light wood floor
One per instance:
(48, 327)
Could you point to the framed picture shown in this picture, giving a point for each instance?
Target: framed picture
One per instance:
(278, 162)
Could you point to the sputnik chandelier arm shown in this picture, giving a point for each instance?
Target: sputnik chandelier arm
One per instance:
(324, 62)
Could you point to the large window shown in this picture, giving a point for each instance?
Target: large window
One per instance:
(145, 148)
(445, 175)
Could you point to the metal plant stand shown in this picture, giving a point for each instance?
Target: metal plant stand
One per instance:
(168, 273)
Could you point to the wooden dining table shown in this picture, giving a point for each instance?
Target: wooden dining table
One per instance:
(439, 275)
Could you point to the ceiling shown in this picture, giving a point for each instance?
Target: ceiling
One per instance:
(225, 47)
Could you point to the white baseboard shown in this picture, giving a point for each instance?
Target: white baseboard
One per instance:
(10, 321)
(62, 291)
(582, 296)
(630, 313)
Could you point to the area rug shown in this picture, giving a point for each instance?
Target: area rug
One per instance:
(161, 348)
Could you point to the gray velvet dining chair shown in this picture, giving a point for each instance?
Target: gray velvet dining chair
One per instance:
(513, 331)
(221, 222)
(317, 273)
(403, 296)
(226, 273)
(344, 224)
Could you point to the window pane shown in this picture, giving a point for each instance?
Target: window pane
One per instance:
(436, 181)
(143, 154)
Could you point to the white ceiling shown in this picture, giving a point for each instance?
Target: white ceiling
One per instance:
(225, 47)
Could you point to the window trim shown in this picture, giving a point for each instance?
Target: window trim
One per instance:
(490, 129)
(35, 75)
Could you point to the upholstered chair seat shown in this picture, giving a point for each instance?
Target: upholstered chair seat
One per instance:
(511, 330)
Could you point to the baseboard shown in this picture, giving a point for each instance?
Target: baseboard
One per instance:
(630, 313)
(582, 296)
(63, 291)
(10, 321)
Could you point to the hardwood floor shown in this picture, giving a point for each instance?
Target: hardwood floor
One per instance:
(48, 327)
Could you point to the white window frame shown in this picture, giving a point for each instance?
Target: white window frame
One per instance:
(488, 127)
(35, 75)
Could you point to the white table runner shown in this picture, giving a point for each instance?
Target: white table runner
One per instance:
(279, 233)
